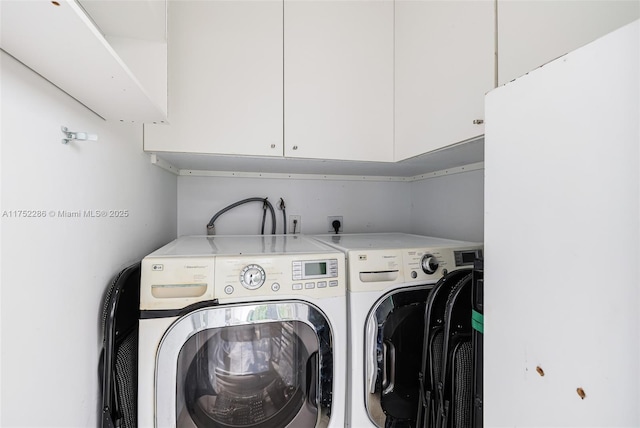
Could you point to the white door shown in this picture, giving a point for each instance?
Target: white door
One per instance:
(562, 228)
(225, 79)
(444, 65)
(338, 79)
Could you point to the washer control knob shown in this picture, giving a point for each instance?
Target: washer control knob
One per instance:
(252, 277)
(429, 264)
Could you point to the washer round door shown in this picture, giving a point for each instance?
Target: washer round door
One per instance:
(259, 365)
(394, 346)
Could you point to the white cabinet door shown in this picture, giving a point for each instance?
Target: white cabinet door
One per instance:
(338, 77)
(534, 32)
(444, 65)
(561, 241)
(225, 79)
(61, 43)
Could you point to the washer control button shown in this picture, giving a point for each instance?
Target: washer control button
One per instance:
(333, 267)
(297, 286)
(309, 285)
(252, 277)
(333, 283)
(275, 286)
(429, 264)
(322, 284)
(297, 271)
(228, 289)
(414, 274)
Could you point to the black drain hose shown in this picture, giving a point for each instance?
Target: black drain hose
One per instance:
(211, 230)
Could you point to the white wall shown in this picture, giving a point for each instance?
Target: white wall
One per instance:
(449, 206)
(365, 206)
(55, 270)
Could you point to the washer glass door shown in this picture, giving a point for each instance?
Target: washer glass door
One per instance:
(246, 366)
(393, 356)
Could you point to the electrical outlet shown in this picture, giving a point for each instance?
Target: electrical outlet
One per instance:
(331, 219)
(295, 224)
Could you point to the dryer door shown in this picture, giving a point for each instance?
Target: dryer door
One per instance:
(245, 366)
(394, 352)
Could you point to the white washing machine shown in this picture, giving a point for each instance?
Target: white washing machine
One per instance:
(242, 331)
(390, 276)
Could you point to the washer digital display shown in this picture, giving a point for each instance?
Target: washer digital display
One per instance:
(465, 258)
(315, 268)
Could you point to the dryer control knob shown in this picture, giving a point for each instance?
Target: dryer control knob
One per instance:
(429, 264)
(252, 277)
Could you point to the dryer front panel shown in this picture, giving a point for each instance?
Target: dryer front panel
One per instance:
(262, 364)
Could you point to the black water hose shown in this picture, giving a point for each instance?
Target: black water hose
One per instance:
(264, 217)
(284, 214)
(266, 204)
(273, 216)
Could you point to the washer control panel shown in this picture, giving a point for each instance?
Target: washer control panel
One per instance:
(378, 269)
(432, 263)
(280, 276)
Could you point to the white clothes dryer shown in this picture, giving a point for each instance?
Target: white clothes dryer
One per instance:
(242, 331)
(390, 276)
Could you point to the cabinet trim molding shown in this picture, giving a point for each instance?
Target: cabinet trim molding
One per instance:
(161, 163)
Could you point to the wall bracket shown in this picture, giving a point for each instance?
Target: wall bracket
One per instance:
(77, 136)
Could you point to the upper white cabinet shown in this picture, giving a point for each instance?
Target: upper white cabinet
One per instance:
(532, 33)
(63, 44)
(375, 80)
(338, 79)
(225, 79)
(444, 65)
(137, 31)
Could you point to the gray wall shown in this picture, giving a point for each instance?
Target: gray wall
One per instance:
(449, 206)
(365, 206)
